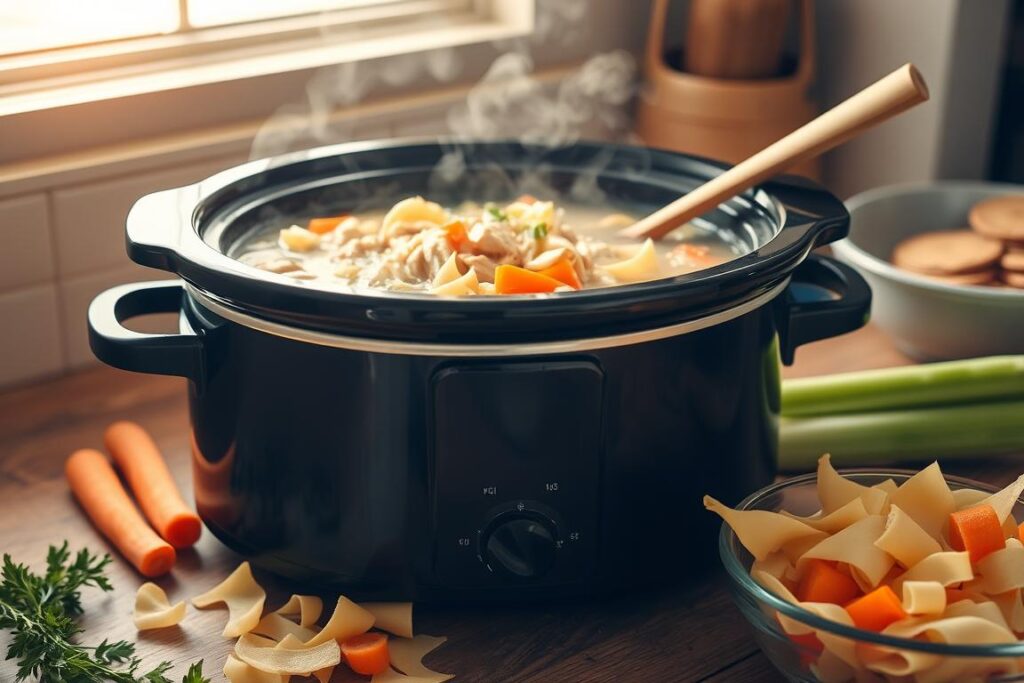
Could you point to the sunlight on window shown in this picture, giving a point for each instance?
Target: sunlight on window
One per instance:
(27, 25)
(218, 12)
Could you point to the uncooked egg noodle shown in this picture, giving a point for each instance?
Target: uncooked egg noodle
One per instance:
(966, 622)
(1003, 501)
(237, 671)
(273, 648)
(948, 568)
(855, 547)
(261, 653)
(927, 499)
(762, 532)
(905, 540)
(776, 564)
(1002, 570)
(965, 498)
(153, 609)
(277, 627)
(1011, 605)
(924, 598)
(243, 597)
(837, 519)
(307, 607)
(348, 619)
(393, 617)
(835, 491)
(407, 658)
(893, 538)
(889, 486)
(292, 642)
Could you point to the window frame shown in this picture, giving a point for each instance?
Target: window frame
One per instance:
(201, 56)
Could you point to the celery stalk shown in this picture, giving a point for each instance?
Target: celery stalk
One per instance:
(877, 438)
(998, 378)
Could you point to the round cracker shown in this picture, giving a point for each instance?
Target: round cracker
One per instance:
(1015, 280)
(999, 217)
(1013, 261)
(947, 252)
(981, 277)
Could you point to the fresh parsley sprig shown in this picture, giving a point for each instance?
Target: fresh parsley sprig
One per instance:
(39, 612)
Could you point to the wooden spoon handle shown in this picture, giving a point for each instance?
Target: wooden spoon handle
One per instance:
(897, 92)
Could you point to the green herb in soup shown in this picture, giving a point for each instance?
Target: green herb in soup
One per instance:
(525, 247)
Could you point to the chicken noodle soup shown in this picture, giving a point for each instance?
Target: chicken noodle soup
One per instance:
(527, 246)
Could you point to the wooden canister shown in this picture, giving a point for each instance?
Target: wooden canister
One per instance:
(724, 119)
(736, 38)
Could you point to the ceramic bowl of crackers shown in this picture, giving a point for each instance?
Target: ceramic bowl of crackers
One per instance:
(945, 261)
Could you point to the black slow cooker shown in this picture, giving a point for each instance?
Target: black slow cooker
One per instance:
(405, 446)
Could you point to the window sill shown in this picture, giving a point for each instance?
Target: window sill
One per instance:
(302, 50)
(232, 141)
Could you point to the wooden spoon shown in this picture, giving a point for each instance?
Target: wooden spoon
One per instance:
(894, 94)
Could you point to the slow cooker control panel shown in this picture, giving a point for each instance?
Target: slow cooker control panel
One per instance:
(516, 473)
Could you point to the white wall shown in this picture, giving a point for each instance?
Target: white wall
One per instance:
(957, 45)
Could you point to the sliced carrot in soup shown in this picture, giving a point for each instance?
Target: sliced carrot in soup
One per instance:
(515, 280)
(564, 273)
(322, 226)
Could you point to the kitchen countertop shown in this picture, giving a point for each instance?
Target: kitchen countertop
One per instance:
(688, 633)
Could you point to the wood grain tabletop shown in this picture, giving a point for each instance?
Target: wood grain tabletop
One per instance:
(687, 633)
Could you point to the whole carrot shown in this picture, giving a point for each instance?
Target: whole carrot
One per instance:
(97, 488)
(139, 459)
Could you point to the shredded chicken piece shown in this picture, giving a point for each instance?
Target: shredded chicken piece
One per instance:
(494, 239)
(418, 257)
(348, 229)
(403, 229)
(483, 265)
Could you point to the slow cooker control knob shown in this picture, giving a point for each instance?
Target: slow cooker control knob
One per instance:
(520, 547)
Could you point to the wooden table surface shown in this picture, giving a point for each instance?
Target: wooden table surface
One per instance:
(689, 633)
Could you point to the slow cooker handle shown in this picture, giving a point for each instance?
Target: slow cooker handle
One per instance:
(161, 354)
(806, 318)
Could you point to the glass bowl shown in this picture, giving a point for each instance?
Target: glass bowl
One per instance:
(796, 659)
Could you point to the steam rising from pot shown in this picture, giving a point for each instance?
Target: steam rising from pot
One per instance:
(509, 102)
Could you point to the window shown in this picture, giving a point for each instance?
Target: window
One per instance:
(63, 52)
(220, 12)
(47, 24)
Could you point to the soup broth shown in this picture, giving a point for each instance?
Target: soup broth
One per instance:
(522, 247)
